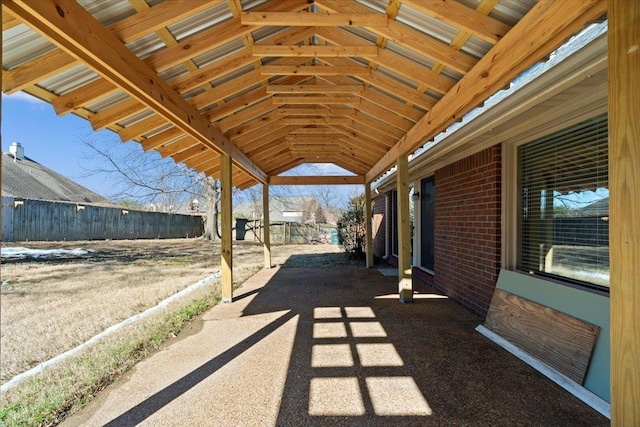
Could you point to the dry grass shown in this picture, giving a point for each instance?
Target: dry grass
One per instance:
(56, 304)
(52, 305)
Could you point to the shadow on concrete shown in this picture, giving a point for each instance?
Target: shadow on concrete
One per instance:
(360, 357)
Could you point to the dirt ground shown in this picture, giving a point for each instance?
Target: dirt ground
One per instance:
(50, 305)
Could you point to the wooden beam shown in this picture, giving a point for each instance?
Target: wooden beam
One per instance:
(315, 100)
(311, 131)
(177, 146)
(508, 58)
(284, 19)
(71, 27)
(226, 226)
(315, 121)
(368, 226)
(327, 135)
(392, 62)
(126, 30)
(390, 85)
(142, 127)
(381, 99)
(462, 17)
(624, 232)
(355, 88)
(162, 138)
(266, 234)
(235, 111)
(100, 88)
(405, 280)
(314, 51)
(314, 70)
(312, 111)
(406, 36)
(316, 180)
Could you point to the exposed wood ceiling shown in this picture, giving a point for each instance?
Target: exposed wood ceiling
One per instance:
(284, 83)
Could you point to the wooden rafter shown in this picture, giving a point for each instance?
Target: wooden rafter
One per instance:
(506, 60)
(75, 30)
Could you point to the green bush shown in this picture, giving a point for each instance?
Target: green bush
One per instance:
(351, 228)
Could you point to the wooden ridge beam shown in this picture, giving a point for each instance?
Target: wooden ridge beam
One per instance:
(314, 70)
(315, 121)
(316, 180)
(312, 51)
(296, 19)
(315, 100)
(72, 28)
(317, 88)
(546, 26)
(327, 136)
(311, 131)
(290, 111)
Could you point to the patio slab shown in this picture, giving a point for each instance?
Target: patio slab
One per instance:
(333, 346)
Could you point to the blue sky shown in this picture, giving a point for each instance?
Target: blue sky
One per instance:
(48, 139)
(56, 142)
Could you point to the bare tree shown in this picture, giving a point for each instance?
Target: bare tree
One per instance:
(152, 181)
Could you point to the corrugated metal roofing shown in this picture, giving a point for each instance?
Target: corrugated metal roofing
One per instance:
(409, 71)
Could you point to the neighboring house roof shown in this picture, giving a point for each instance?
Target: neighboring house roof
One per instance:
(284, 209)
(28, 179)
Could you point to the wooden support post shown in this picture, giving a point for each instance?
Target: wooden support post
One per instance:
(624, 225)
(227, 256)
(367, 224)
(405, 280)
(266, 239)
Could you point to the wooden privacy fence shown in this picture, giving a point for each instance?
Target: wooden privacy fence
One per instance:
(289, 232)
(27, 220)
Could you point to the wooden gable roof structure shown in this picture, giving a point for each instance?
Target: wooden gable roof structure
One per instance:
(275, 84)
(267, 85)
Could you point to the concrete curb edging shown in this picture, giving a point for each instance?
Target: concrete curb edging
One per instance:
(59, 358)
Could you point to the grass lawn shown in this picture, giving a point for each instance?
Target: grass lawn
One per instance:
(51, 305)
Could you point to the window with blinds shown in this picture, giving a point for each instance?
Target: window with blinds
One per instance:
(564, 205)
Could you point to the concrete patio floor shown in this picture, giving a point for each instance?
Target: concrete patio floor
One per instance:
(333, 346)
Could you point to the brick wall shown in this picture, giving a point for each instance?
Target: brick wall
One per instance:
(379, 225)
(467, 229)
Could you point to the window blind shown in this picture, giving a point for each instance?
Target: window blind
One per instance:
(564, 204)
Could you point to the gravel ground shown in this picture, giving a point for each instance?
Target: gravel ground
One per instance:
(319, 346)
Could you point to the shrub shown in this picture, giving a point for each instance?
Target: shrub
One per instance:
(351, 228)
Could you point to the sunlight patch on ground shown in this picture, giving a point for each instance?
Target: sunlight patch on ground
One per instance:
(335, 396)
(363, 312)
(367, 330)
(378, 355)
(331, 356)
(396, 396)
(327, 313)
(329, 330)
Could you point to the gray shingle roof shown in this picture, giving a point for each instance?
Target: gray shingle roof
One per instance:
(28, 179)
